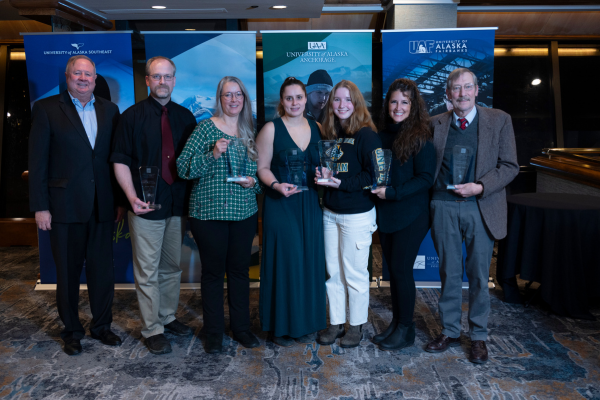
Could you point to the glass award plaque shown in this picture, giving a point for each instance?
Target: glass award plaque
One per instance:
(381, 162)
(328, 167)
(149, 179)
(295, 161)
(462, 163)
(236, 156)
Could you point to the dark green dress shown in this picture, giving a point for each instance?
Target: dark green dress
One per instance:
(292, 271)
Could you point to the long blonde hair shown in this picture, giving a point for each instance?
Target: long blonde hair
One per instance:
(245, 123)
(359, 118)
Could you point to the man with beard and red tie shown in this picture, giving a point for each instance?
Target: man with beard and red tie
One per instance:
(474, 212)
(152, 133)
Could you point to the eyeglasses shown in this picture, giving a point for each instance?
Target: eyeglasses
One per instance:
(157, 77)
(468, 87)
(229, 95)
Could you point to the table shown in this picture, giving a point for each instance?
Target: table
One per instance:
(553, 239)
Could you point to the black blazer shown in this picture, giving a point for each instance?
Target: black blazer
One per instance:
(64, 171)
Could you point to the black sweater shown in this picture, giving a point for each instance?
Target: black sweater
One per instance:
(354, 166)
(408, 195)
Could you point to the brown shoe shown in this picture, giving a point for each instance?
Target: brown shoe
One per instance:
(442, 343)
(478, 353)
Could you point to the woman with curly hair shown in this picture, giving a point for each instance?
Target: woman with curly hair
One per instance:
(403, 207)
(349, 214)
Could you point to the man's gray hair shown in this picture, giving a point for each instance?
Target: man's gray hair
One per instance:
(79, 57)
(454, 75)
(150, 61)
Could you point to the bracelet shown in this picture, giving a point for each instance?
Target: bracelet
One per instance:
(273, 183)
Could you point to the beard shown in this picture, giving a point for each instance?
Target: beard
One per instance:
(162, 91)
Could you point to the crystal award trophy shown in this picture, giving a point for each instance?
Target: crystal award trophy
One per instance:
(149, 179)
(462, 163)
(296, 168)
(236, 156)
(381, 162)
(328, 166)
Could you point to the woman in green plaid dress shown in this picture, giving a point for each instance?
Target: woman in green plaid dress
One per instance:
(223, 215)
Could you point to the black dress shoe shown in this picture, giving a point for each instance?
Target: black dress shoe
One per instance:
(158, 344)
(283, 341)
(108, 338)
(478, 353)
(179, 329)
(306, 339)
(214, 343)
(246, 339)
(378, 338)
(442, 343)
(402, 337)
(72, 347)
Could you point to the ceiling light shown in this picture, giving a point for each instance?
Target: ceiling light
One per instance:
(536, 82)
(279, 7)
(158, 7)
(8, 114)
(189, 29)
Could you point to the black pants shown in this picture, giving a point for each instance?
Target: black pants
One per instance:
(72, 244)
(400, 250)
(224, 247)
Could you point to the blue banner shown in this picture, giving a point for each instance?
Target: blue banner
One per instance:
(47, 55)
(202, 59)
(427, 57)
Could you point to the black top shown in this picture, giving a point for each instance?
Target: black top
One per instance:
(138, 142)
(354, 169)
(65, 173)
(408, 195)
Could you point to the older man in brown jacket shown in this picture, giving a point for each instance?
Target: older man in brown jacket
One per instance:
(478, 144)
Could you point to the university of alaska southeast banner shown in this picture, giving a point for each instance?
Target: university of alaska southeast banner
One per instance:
(47, 55)
(202, 59)
(427, 57)
(319, 59)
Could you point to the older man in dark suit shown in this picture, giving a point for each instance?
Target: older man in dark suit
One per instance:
(473, 211)
(71, 192)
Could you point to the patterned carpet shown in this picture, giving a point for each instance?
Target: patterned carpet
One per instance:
(533, 355)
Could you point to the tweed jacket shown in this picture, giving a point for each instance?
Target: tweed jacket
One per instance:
(495, 166)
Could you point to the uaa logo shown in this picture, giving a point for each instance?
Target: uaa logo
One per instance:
(420, 46)
(77, 45)
(317, 45)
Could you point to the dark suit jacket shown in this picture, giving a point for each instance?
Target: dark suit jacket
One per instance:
(496, 164)
(64, 171)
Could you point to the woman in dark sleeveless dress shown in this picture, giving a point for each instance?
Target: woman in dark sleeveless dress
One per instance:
(292, 274)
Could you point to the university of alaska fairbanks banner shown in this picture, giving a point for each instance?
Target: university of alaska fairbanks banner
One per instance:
(317, 58)
(427, 57)
(47, 55)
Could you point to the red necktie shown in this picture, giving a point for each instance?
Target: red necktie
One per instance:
(463, 123)
(169, 169)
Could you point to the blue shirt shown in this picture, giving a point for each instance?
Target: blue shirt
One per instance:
(87, 115)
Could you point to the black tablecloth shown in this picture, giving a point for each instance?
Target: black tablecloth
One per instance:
(553, 239)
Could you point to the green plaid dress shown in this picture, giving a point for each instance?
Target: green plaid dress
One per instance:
(212, 197)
